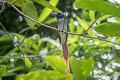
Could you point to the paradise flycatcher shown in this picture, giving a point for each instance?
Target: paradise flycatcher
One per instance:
(63, 26)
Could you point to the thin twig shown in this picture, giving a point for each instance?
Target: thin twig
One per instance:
(23, 39)
(53, 27)
(53, 50)
(14, 1)
(91, 25)
(18, 57)
(96, 38)
(11, 38)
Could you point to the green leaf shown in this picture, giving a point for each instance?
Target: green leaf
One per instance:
(2, 70)
(21, 77)
(44, 75)
(99, 5)
(108, 28)
(28, 63)
(92, 15)
(50, 20)
(83, 23)
(57, 63)
(48, 5)
(5, 40)
(103, 17)
(46, 12)
(72, 28)
(29, 9)
(81, 68)
(14, 69)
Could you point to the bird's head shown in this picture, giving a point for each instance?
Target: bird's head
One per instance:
(59, 15)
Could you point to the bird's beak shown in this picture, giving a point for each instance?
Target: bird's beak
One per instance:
(54, 14)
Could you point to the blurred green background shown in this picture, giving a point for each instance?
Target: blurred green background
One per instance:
(90, 59)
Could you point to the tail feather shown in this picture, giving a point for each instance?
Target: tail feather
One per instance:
(66, 55)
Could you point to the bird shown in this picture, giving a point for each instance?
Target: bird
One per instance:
(62, 25)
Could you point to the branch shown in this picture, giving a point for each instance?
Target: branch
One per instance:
(14, 43)
(14, 1)
(53, 27)
(18, 57)
(23, 39)
(91, 25)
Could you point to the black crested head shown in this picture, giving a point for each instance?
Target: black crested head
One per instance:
(60, 15)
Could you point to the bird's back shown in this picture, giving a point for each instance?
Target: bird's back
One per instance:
(62, 26)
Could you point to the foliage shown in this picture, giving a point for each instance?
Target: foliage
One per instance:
(29, 9)
(57, 62)
(44, 75)
(109, 8)
(90, 59)
(109, 28)
(2, 70)
(80, 68)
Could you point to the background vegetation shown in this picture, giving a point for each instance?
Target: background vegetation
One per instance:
(90, 58)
